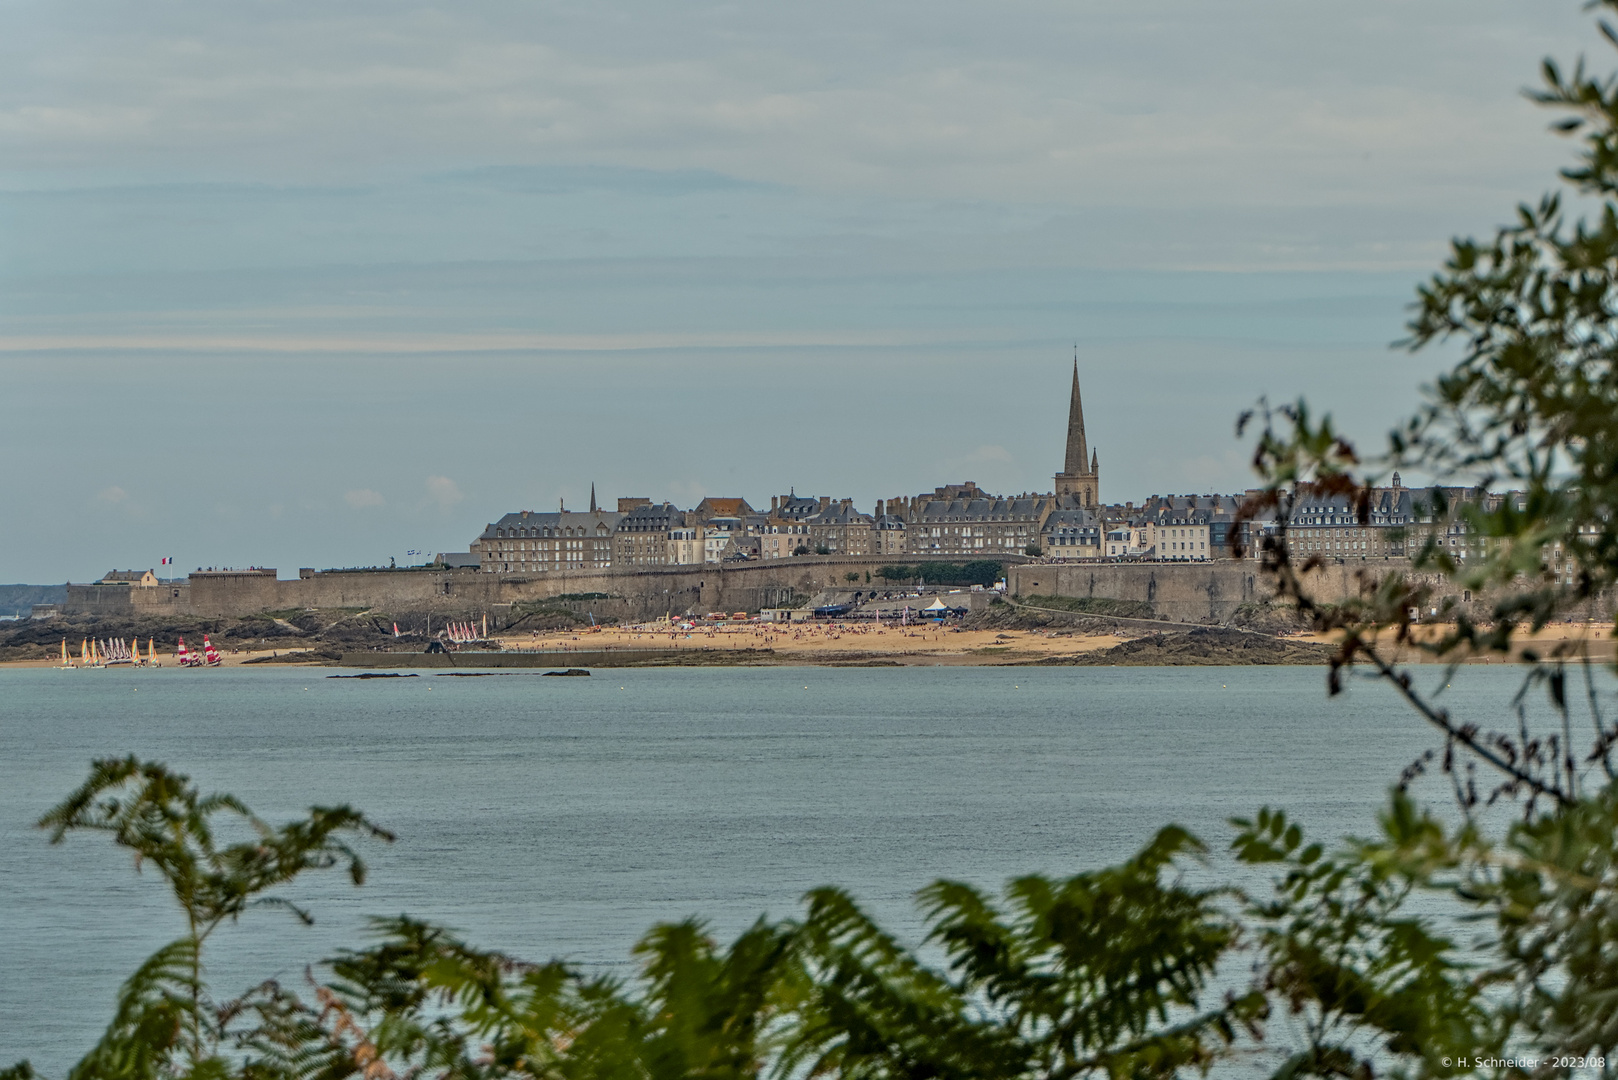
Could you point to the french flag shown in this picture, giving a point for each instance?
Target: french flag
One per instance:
(168, 561)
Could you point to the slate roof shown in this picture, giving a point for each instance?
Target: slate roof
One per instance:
(656, 517)
(532, 523)
(1021, 508)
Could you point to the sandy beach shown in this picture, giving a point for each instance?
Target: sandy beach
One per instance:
(803, 643)
(831, 643)
(817, 643)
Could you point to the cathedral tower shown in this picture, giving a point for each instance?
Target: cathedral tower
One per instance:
(1078, 478)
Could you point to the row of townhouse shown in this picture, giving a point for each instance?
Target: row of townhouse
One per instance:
(641, 533)
(954, 520)
(1172, 528)
(1399, 522)
(960, 520)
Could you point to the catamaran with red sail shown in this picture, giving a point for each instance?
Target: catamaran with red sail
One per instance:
(208, 657)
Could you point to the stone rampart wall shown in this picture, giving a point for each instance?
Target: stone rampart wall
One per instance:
(125, 601)
(1209, 592)
(634, 595)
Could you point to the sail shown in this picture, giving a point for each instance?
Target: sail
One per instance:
(209, 653)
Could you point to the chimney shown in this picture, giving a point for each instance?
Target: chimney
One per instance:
(775, 503)
(825, 501)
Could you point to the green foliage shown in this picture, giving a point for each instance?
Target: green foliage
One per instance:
(1530, 408)
(165, 1023)
(1033, 550)
(1128, 970)
(1103, 973)
(1364, 979)
(977, 572)
(852, 576)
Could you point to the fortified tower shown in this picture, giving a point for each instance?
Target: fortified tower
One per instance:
(1078, 478)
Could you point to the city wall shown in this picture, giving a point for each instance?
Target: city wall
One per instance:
(169, 598)
(631, 595)
(1210, 592)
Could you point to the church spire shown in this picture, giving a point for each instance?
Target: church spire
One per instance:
(1075, 464)
(592, 497)
(1079, 479)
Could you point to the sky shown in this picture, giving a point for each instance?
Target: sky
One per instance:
(293, 284)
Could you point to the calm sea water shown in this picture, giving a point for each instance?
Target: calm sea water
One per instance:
(561, 817)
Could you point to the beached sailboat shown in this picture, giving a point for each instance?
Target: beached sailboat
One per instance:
(210, 655)
(186, 658)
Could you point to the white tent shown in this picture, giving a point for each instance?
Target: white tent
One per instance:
(936, 605)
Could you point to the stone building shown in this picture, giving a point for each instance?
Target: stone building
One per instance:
(644, 534)
(986, 526)
(888, 533)
(1399, 522)
(526, 542)
(140, 579)
(780, 538)
(722, 537)
(1072, 534)
(798, 525)
(1179, 530)
(839, 529)
(685, 546)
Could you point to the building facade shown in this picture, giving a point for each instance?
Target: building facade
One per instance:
(528, 542)
(644, 532)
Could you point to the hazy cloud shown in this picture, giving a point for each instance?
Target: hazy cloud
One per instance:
(442, 491)
(999, 455)
(1257, 103)
(363, 498)
(294, 233)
